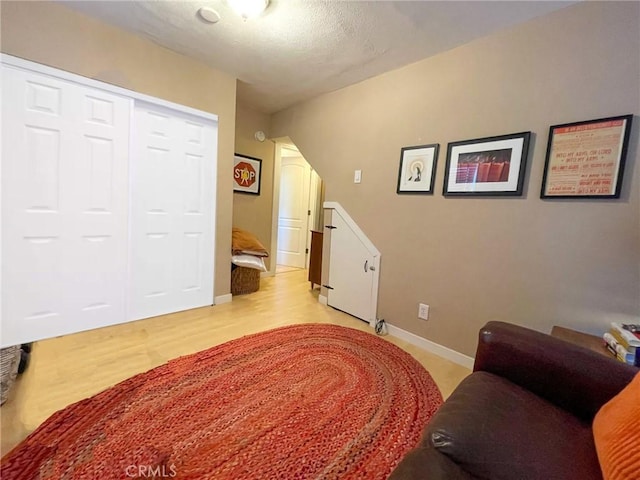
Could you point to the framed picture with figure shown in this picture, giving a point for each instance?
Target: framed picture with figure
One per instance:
(417, 169)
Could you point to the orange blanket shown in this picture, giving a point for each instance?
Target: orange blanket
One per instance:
(247, 243)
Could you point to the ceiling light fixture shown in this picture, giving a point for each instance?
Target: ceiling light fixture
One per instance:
(248, 8)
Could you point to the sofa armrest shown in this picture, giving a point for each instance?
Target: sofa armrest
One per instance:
(572, 377)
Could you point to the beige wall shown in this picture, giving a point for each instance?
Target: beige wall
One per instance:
(521, 260)
(253, 212)
(54, 35)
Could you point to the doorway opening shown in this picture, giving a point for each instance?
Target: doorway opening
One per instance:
(298, 196)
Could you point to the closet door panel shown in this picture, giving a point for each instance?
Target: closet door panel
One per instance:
(100, 177)
(173, 200)
(64, 206)
(196, 213)
(34, 152)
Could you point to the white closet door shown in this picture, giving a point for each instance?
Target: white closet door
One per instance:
(64, 206)
(172, 212)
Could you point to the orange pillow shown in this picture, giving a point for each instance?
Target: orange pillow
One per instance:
(616, 432)
(247, 243)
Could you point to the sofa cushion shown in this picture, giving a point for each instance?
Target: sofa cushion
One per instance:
(496, 430)
(617, 434)
(425, 462)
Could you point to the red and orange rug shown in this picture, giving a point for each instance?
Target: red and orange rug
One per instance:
(299, 402)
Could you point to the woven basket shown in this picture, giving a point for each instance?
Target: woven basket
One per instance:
(244, 280)
(9, 361)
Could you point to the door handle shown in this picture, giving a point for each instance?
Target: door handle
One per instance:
(366, 262)
(366, 266)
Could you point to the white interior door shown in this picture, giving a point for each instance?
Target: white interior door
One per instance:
(64, 206)
(351, 277)
(293, 215)
(172, 212)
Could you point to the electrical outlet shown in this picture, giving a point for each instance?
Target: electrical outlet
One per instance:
(423, 311)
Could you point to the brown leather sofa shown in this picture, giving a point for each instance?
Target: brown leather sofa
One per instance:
(524, 413)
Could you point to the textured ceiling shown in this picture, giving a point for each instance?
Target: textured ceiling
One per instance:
(302, 48)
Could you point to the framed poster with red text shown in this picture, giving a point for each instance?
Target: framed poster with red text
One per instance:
(586, 159)
(246, 174)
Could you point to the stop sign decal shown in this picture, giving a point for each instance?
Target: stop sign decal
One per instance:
(246, 174)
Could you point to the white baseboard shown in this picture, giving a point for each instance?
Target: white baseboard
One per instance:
(223, 299)
(323, 300)
(429, 346)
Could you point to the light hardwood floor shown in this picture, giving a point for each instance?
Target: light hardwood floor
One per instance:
(67, 369)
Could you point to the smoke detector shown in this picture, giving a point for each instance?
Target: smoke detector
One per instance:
(209, 15)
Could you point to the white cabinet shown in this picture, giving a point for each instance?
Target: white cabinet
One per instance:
(81, 188)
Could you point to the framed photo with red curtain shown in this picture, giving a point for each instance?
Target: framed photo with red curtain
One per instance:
(487, 166)
(586, 159)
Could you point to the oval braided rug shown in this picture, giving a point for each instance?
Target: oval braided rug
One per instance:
(305, 401)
